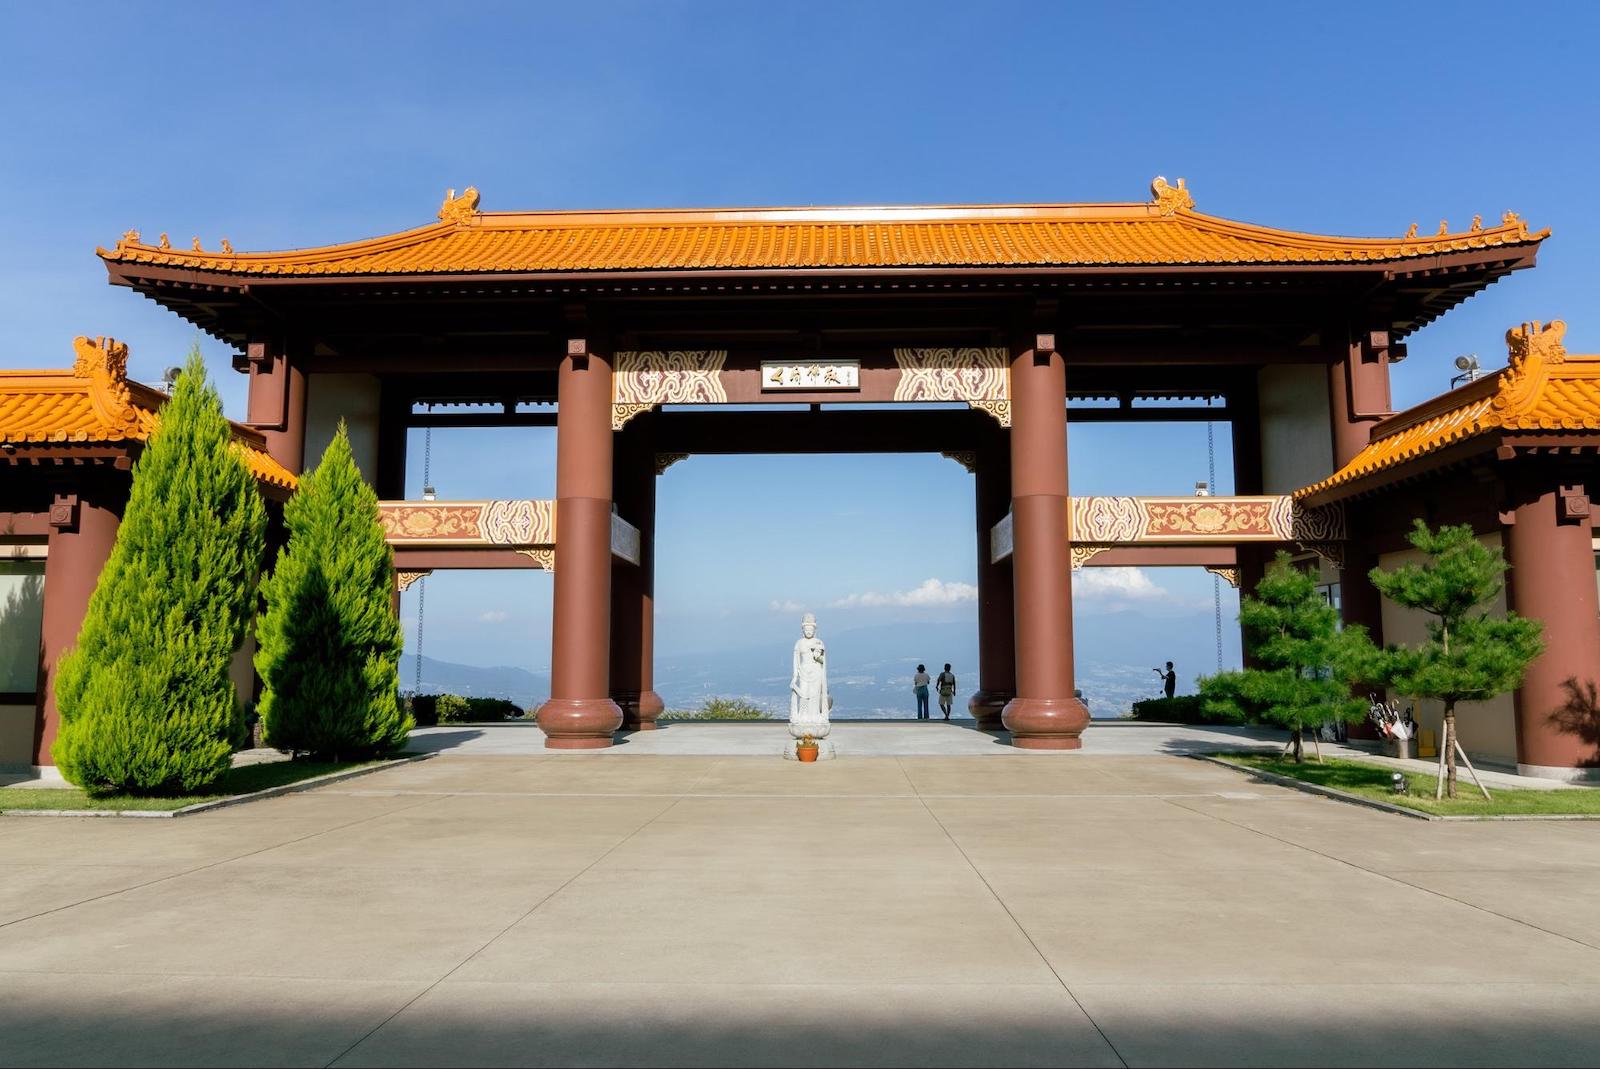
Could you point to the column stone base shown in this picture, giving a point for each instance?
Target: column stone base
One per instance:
(1046, 723)
(579, 723)
(639, 711)
(987, 706)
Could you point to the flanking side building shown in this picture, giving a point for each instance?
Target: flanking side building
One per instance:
(68, 439)
(648, 337)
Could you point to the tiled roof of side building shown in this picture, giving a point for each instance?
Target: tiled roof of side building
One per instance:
(93, 402)
(1165, 231)
(1543, 389)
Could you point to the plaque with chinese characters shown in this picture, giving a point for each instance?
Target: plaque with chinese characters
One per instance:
(831, 375)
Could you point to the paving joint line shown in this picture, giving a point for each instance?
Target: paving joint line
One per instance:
(1025, 933)
(1396, 879)
(496, 936)
(212, 864)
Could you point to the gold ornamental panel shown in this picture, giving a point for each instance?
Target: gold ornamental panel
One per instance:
(468, 523)
(1095, 524)
(979, 376)
(642, 380)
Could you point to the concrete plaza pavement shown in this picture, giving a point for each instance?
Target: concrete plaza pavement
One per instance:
(1029, 909)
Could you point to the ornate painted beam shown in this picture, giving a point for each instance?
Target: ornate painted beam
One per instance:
(1096, 524)
(478, 533)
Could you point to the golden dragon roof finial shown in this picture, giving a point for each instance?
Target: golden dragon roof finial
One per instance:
(130, 237)
(1170, 198)
(459, 209)
(104, 355)
(1538, 341)
(1533, 347)
(104, 362)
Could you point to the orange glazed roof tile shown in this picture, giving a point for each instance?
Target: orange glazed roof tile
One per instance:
(94, 402)
(1163, 232)
(1544, 389)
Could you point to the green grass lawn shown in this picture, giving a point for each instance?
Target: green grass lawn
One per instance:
(245, 779)
(1373, 781)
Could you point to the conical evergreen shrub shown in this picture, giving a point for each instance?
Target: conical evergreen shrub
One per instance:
(147, 705)
(329, 642)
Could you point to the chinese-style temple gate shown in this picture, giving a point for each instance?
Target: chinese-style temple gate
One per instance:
(976, 332)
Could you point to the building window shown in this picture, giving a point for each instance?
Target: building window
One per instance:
(1331, 594)
(21, 619)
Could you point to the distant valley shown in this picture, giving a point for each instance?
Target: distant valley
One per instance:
(871, 667)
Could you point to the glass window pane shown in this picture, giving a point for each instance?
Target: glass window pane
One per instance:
(21, 616)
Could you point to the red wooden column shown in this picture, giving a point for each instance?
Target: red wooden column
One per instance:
(277, 401)
(1358, 397)
(580, 713)
(633, 585)
(1044, 715)
(1358, 392)
(82, 531)
(997, 651)
(1551, 551)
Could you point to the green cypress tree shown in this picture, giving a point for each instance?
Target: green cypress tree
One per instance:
(329, 642)
(1469, 656)
(147, 704)
(1307, 663)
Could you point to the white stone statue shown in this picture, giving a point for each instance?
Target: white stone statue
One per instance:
(808, 691)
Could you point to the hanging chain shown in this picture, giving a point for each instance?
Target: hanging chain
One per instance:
(422, 584)
(1211, 482)
(427, 453)
(422, 593)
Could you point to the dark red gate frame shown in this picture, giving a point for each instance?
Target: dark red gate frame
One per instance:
(614, 315)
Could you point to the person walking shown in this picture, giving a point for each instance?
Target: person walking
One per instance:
(919, 686)
(947, 690)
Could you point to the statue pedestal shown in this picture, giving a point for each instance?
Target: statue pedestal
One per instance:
(824, 750)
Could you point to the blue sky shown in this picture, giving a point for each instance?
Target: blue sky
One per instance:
(279, 125)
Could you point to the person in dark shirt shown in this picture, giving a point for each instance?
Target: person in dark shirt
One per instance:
(947, 690)
(1169, 679)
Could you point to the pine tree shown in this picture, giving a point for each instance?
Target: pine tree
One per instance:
(1469, 656)
(147, 704)
(329, 653)
(1307, 664)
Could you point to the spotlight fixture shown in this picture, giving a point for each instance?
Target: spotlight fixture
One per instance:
(1469, 367)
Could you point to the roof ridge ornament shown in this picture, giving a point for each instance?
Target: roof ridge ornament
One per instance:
(1534, 348)
(104, 362)
(1537, 340)
(459, 209)
(1170, 199)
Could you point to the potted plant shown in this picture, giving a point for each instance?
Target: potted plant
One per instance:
(806, 748)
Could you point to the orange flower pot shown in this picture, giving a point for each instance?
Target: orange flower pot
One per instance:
(806, 753)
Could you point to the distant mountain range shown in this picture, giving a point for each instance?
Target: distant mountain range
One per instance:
(871, 667)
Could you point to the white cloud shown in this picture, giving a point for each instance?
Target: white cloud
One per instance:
(494, 616)
(1116, 585)
(931, 592)
(786, 605)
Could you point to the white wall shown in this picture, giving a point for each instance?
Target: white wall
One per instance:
(1296, 428)
(1488, 729)
(331, 397)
